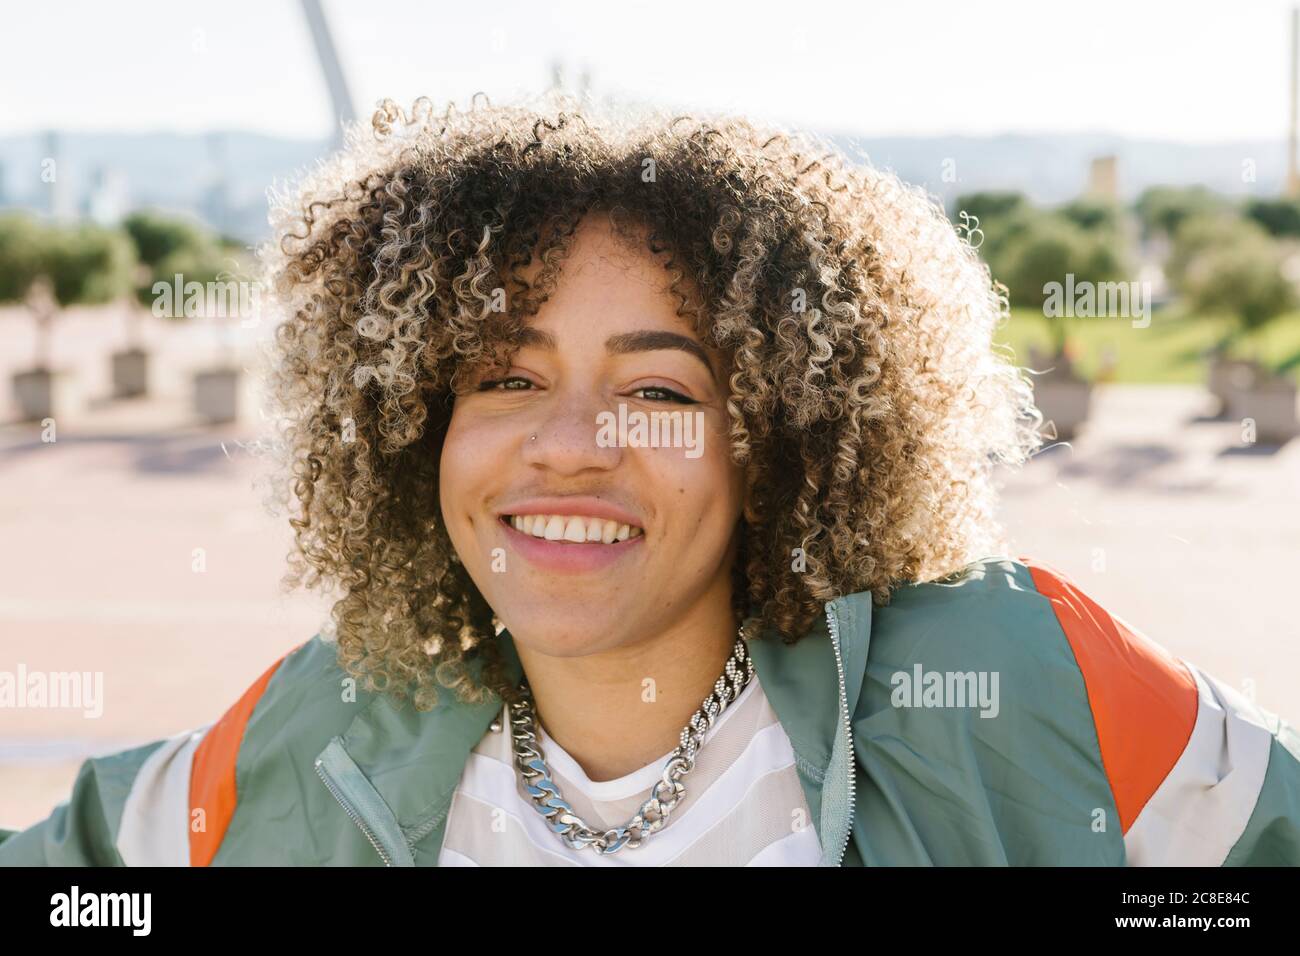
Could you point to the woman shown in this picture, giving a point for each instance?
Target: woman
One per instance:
(653, 463)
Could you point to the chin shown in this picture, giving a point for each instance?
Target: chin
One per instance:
(562, 640)
(550, 626)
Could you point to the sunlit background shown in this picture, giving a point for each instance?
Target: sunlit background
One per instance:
(1139, 151)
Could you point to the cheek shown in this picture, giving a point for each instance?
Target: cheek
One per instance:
(467, 456)
(701, 495)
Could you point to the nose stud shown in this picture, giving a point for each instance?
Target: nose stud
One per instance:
(533, 438)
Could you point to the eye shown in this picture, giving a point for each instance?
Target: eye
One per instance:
(669, 395)
(491, 384)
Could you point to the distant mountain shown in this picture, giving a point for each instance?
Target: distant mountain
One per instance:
(1054, 168)
(223, 176)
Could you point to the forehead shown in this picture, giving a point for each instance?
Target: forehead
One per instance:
(600, 257)
(609, 280)
(612, 292)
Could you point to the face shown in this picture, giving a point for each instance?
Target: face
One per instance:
(588, 537)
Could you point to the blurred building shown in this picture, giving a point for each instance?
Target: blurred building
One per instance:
(61, 202)
(214, 203)
(1103, 179)
(108, 200)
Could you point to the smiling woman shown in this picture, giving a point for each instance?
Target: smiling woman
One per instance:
(553, 648)
(509, 272)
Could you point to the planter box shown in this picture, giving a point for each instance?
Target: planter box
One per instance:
(1064, 400)
(1271, 404)
(45, 393)
(216, 395)
(1228, 377)
(130, 373)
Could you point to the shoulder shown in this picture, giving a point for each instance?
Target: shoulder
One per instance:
(1086, 703)
(1033, 626)
(173, 802)
(997, 601)
(303, 695)
(1032, 622)
(305, 687)
(1051, 641)
(256, 752)
(1025, 678)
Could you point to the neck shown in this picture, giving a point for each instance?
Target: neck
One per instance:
(615, 711)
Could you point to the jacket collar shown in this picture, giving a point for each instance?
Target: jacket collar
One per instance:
(414, 760)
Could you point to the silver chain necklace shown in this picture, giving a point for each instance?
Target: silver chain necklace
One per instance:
(665, 795)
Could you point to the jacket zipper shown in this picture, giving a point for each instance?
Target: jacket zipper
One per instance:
(352, 813)
(832, 624)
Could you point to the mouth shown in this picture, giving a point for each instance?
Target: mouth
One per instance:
(572, 529)
(569, 544)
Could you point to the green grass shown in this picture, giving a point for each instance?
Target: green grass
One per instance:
(1168, 351)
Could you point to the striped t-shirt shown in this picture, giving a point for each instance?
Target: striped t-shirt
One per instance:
(744, 804)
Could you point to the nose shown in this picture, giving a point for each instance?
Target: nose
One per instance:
(567, 437)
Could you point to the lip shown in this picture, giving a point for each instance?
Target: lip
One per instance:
(569, 557)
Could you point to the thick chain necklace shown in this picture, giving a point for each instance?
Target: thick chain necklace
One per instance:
(665, 795)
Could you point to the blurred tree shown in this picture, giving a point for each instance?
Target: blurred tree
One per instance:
(50, 268)
(88, 264)
(997, 215)
(1281, 217)
(171, 247)
(991, 204)
(1048, 249)
(21, 241)
(1094, 215)
(1162, 209)
(202, 264)
(80, 265)
(157, 236)
(178, 253)
(1243, 279)
(1202, 232)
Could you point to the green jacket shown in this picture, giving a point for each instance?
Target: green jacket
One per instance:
(998, 717)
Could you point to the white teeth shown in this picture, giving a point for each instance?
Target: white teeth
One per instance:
(575, 528)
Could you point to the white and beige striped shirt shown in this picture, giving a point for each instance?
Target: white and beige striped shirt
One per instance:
(744, 804)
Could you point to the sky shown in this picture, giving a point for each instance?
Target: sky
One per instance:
(1188, 71)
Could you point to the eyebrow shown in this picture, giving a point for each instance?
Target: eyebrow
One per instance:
(625, 343)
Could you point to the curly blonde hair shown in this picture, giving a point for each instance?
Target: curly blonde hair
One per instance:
(866, 403)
